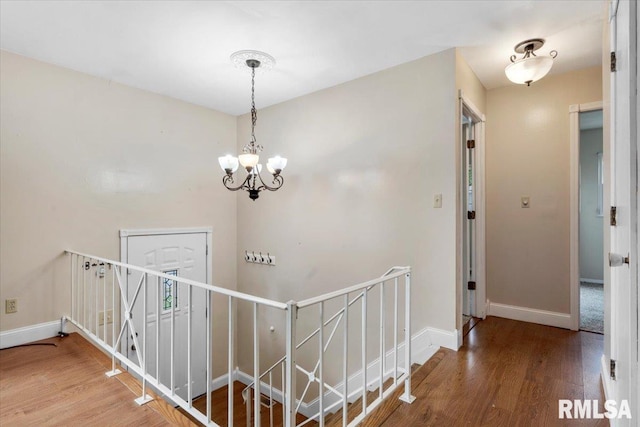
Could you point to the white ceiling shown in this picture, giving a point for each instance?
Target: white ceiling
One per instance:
(182, 48)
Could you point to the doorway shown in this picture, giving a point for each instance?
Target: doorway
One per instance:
(471, 219)
(181, 253)
(591, 225)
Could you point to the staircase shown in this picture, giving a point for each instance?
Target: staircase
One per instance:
(377, 417)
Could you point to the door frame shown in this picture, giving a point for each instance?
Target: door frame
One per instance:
(126, 233)
(574, 205)
(124, 252)
(480, 242)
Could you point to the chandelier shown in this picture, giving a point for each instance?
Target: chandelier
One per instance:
(253, 182)
(530, 67)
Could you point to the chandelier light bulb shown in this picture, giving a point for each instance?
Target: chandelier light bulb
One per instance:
(228, 163)
(248, 160)
(276, 164)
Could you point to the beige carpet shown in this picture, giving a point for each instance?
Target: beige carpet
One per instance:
(592, 307)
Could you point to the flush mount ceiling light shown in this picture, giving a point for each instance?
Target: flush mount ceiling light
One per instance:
(529, 68)
(249, 158)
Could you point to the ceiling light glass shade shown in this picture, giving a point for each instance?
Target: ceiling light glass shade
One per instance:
(228, 162)
(276, 164)
(248, 160)
(529, 70)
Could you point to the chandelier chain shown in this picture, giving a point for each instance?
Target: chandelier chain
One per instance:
(254, 114)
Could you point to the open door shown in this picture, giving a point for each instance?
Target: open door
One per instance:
(472, 256)
(620, 362)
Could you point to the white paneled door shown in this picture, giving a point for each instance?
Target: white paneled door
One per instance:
(623, 320)
(182, 255)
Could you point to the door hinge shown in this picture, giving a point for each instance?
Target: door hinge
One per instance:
(612, 216)
(613, 62)
(207, 250)
(471, 214)
(612, 369)
(471, 143)
(471, 286)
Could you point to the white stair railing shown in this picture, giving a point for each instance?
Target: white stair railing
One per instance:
(399, 371)
(99, 285)
(100, 295)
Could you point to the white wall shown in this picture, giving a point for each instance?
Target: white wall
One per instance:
(591, 251)
(527, 154)
(365, 159)
(82, 158)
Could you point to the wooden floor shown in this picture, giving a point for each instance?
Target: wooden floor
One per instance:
(507, 373)
(219, 405)
(65, 385)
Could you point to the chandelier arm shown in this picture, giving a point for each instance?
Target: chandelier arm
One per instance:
(228, 179)
(277, 181)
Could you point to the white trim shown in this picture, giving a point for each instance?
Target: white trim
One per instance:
(163, 231)
(596, 281)
(574, 207)
(532, 315)
(223, 380)
(480, 203)
(422, 349)
(442, 338)
(29, 334)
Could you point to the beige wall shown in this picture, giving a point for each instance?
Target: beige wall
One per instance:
(468, 82)
(365, 159)
(527, 154)
(82, 158)
(591, 253)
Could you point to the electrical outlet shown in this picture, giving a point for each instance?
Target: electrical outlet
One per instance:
(11, 306)
(437, 200)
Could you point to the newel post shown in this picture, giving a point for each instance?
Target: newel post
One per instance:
(290, 365)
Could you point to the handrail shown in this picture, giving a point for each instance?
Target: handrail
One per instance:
(92, 294)
(327, 322)
(368, 283)
(214, 288)
(392, 273)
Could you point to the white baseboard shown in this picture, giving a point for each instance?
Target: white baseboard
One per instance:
(424, 344)
(596, 281)
(29, 334)
(532, 315)
(441, 338)
(222, 380)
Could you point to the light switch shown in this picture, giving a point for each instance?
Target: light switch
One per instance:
(437, 200)
(525, 202)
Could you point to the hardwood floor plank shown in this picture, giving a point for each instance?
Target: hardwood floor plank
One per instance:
(507, 373)
(65, 385)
